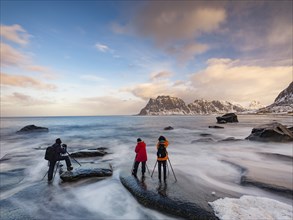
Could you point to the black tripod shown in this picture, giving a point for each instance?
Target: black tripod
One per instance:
(168, 169)
(57, 165)
(72, 157)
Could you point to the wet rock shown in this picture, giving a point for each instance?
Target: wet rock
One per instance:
(271, 132)
(89, 153)
(227, 118)
(231, 139)
(32, 128)
(84, 172)
(203, 140)
(217, 127)
(168, 128)
(170, 198)
(205, 134)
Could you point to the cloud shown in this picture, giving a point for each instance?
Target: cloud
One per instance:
(92, 78)
(175, 26)
(15, 33)
(17, 99)
(36, 68)
(110, 105)
(146, 91)
(25, 81)
(266, 32)
(222, 79)
(160, 75)
(11, 56)
(226, 79)
(102, 47)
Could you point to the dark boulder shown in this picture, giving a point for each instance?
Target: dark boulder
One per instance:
(171, 198)
(89, 153)
(168, 128)
(271, 132)
(215, 126)
(84, 172)
(227, 118)
(32, 128)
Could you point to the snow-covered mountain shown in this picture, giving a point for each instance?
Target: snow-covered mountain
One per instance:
(211, 107)
(283, 103)
(255, 105)
(166, 105)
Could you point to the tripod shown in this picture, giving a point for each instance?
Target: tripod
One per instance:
(168, 168)
(57, 165)
(73, 158)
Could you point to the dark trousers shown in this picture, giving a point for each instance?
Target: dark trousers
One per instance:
(135, 168)
(162, 163)
(52, 165)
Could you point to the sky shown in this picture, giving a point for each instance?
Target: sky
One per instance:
(79, 58)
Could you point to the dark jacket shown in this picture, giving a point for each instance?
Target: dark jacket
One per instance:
(59, 150)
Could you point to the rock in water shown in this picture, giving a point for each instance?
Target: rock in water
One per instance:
(85, 172)
(168, 128)
(169, 197)
(32, 128)
(230, 117)
(88, 153)
(271, 132)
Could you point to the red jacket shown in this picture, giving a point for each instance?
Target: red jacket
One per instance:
(140, 150)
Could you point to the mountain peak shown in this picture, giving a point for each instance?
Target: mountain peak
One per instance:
(167, 105)
(283, 103)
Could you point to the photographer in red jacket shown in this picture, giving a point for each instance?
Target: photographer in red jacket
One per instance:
(141, 156)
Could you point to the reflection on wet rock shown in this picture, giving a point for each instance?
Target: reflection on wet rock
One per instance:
(168, 198)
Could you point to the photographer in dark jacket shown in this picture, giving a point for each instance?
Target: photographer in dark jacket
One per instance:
(59, 150)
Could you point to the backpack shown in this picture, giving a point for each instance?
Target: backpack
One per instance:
(50, 153)
(161, 153)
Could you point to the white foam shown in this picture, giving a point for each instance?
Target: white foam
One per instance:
(251, 207)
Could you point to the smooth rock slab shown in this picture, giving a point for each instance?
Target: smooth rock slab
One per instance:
(169, 198)
(84, 172)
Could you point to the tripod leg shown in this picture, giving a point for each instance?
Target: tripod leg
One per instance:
(147, 168)
(57, 165)
(168, 169)
(133, 165)
(45, 175)
(154, 168)
(73, 158)
(172, 169)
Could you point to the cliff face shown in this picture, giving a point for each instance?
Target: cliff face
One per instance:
(166, 105)
(283, 103)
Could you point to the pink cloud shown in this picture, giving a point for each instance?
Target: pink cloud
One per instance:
(15, 33)
(25, 81)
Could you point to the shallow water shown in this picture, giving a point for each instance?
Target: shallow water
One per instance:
(195, 150)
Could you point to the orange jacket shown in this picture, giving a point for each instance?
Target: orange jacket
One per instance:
(166, 143)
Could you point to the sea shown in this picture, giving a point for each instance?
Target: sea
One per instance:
(219, 157)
